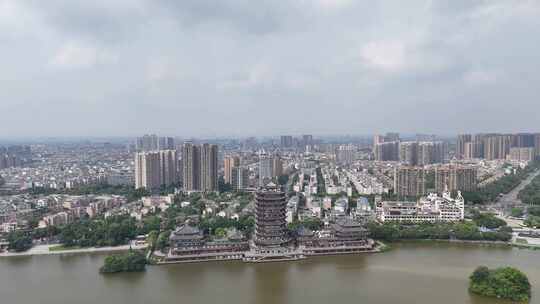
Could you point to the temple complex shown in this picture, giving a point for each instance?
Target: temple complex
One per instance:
(271, 240)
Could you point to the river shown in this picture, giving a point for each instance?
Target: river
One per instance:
(411, 273)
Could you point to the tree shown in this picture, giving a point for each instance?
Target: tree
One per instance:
(163, 240)
(516, 212)
(532, 221)
(534, 211)
(19, 241)
(150, 223)
(283, 179)
(68, 235)
(487, 220)
(152, 239)
(480, 274)
(507, 283)
(223, 186)
(128, 262)
(221, 232)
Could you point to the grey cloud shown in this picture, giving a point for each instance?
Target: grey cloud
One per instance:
(267, 67)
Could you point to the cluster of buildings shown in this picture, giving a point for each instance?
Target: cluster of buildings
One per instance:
(411, 153)
(305, 142)
(197, 168)
(270, 168)
(431, 208)
(366, 183)
(14, 156)
(66, 166)
(156, 168)
(345, 154)
(17, 211)
(271, 240)
(200, 167)
(235, 174)
(153, 142)
(411, 181)
(519, 147)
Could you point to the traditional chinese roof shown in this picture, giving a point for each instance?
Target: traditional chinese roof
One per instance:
(186, 231)
(303, 231)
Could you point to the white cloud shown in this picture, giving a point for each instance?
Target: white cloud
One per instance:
(384, 55)
(480, 77)
(257, 75)
(77, 55)
(333, 4)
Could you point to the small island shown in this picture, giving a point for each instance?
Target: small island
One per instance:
(131, 261)
(506, 283)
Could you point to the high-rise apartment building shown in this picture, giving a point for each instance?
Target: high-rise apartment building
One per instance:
(270, 167)
(468, 150)
(200, 167)
(286, 141)
(461, 143)
(307, 140)
(266, 165)
(408, 153)
(387, 151)
(522, 154)
(523, 140)
(147, 143)
(230, 162)
(166, 143)
(191, 167)
(152, 142)
(455, 178)
(345, 154)
(154, 169)
(377, 139)
(537, 145)
(239, 178)
(277, 166)
(409, 181)
(168, 167)
(432, 152)
(209, 168)
(496, 146)
(391, 136)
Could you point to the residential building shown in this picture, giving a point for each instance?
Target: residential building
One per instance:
(266, 165)
(345, 154)
(432, 208)
(387, 151)
(522, 154)
(455, 178)
(240, 178)
(408, 153)
(229, 163)
(409, 181)
(153, 169)
(286, 141)
(209, 168)
(462, 141)
(191, 163)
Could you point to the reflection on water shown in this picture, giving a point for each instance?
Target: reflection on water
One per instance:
(412, 273)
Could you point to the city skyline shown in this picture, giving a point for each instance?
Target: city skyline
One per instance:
(123, 68)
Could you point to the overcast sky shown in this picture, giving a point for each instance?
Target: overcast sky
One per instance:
(244, 67)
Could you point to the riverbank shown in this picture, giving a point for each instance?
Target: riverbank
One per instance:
(46, 250)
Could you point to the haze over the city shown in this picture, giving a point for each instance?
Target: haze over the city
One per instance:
(205, 68)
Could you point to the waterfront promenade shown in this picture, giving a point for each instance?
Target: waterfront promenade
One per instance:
(45, 250)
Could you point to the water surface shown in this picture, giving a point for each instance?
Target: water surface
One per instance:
(411, 273)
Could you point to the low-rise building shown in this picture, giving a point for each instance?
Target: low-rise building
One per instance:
(432, 208)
